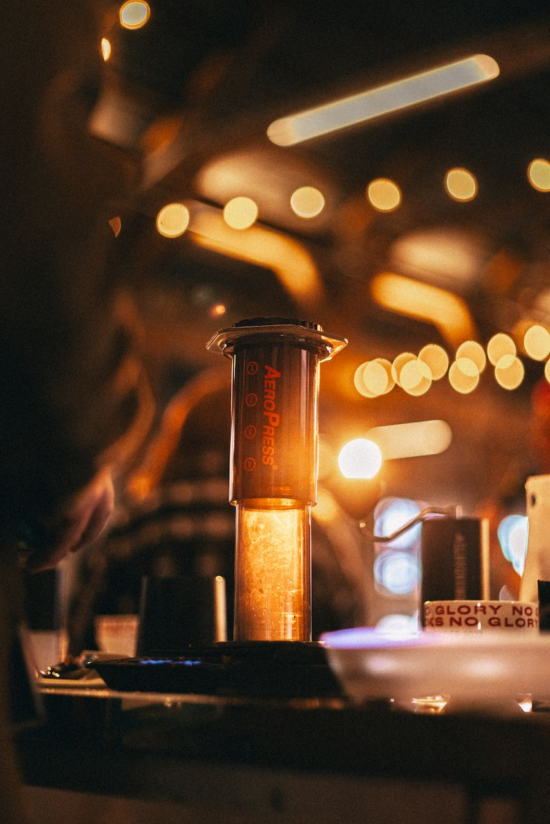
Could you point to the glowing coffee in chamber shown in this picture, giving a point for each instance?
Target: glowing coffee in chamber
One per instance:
(273, 593)
(273, 483)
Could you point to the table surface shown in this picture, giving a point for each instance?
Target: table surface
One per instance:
(155, 746)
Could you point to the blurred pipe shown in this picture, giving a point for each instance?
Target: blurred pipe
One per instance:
(148, 474)
(430, 304)
(286, 257)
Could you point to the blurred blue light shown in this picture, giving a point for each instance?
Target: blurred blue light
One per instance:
(392, 513)
(512, 535)
(397, 572)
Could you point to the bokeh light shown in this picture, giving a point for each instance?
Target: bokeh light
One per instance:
(217, 310)
(327, 510)
(383, 194)
(538, 174)
(390, 515)
(105, 48)
(512, 533)
(173, 220)
(537, 342)
(509, 372)
(467, 366)
(360, 383)
(416, 377)
(360, 458)
(461, 184)
(307, 202)
(397, 572)
(499, 346)
(473, 351)
(375, 378)
(547, 371)
(460, 381)
(327, 458)
(398, 364)
(240, 213)
(134, 14)
(408, 440)
(435, 357)
(413, 372)
(386, 365)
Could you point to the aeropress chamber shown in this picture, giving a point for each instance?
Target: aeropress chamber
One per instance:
(273, 481)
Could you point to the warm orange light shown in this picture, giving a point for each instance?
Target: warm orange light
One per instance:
(437, 360)
(537, 342)
(467, 366)
(416, 377)
(286, 257)
(387, 367)
(375, 378)
(327, 510)
(307, 202)
(427, 303)
(134, 14)
(240, 213)
(105, 48)
(499, 346)
(538, 174)
(461, 184)
(270, 602)
(359, 383)
(383, 194)
(547, 371)
(460, 381)
(409, 440)
(509, 372)
(398, 364)
(147, 476)
(505, 362)
(173, 220)
(217, 310)
(443, 255)
(472, 351)
(116, 225)
(419, 389)
(413, 373)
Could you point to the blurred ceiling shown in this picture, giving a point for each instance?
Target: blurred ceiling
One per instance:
(201, 83)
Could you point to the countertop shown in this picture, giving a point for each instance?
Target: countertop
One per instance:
(314, 759)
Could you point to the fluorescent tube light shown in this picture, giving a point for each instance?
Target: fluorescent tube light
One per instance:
(390, 98)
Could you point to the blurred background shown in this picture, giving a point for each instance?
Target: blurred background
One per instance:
(381, 169)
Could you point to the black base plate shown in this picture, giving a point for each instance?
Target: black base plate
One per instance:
(255, 668)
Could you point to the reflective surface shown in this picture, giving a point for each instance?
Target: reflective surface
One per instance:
(479, 672)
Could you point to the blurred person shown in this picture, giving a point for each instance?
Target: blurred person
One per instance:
(74, 402)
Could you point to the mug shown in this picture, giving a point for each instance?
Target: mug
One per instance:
(181, 612)
(537, 559)
(480, 616)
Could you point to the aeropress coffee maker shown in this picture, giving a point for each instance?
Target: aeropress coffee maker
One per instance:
(273, 486)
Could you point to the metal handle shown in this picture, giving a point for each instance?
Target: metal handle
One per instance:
(449, 511)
